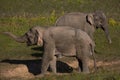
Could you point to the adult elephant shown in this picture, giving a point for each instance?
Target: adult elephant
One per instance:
(59, 41)
(87, 22)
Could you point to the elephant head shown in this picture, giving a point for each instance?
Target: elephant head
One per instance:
(98, 19)
(32, 37)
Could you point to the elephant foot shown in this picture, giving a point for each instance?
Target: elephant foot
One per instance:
(79, 70)
(86, 71)
(40, 76)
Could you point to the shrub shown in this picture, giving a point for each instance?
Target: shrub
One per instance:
(113, 22)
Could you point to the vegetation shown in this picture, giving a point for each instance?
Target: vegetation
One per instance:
(18, 16)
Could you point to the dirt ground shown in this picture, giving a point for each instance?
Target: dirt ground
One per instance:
(24, 69)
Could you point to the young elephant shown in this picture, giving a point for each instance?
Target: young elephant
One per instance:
(63, 41)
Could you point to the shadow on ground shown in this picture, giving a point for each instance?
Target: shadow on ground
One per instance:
(34, 66)
(37, 55)
(38, 48)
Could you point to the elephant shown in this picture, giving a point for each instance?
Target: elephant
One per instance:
(59, 41)
(87, 22)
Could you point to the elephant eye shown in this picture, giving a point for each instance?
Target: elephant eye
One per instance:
(96, 17)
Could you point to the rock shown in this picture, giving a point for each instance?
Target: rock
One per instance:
(18, 70)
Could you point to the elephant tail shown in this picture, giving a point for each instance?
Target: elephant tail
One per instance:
(93, 55)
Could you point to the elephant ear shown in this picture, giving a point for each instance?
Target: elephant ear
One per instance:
(90, 19)
(39, 38)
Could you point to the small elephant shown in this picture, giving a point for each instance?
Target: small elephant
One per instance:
(87, 22)
(63, 41)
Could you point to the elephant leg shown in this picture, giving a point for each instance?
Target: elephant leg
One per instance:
(45, 65)
(85, 66)
(82, 56)
(80, 68)
(48, 61)
(48, 58)
(53, 65)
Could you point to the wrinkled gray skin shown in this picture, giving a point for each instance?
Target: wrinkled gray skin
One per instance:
(63, 41)
(87, 22)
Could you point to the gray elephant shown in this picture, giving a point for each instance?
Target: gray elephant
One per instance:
(87, 22)
(63, 41)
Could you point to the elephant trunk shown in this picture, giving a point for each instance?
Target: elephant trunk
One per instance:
(20, 39)
(105, 28)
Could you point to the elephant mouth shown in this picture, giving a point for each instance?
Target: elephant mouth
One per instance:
(31, 44)
(99, 26)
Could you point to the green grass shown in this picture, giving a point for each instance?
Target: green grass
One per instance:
(102, 46)
(45, 7)
(18, 16)
(74, 76)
